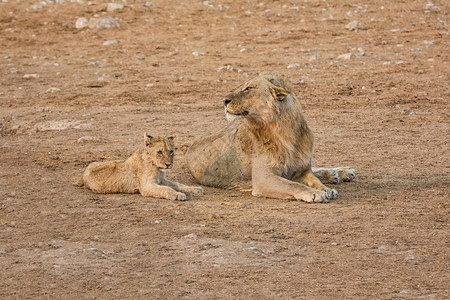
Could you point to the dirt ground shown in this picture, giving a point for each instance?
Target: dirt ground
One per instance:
(70, 96)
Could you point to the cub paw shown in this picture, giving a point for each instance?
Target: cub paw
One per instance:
(177, 196)
(346, 173)
(196, 190)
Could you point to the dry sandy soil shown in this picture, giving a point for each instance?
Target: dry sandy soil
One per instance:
(68, 99)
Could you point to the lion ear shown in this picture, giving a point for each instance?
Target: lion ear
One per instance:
(278, 92)
(147, 139)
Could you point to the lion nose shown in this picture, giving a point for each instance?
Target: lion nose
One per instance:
(226, 101)
(168, 165)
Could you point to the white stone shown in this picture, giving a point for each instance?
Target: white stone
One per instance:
(85, 139)
(81, 23)
(346, 56)
(105, 23)
(52, 90)
(293, 66)
(314, 57)
(197, 53)
(114, 6)
(83, 126)
(353, 25)
(31, 76)
(361, 51)
(431, 6)
(55, 125)
(110, 42)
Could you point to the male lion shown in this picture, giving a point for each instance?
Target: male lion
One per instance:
(267, 148)
(141, 172)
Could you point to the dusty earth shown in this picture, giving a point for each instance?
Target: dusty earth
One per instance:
(68, 99)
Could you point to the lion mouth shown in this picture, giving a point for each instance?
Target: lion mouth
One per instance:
(243, 113)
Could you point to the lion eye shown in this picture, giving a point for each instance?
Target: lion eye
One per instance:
(160, 152)
(245, 90)
(171, 152)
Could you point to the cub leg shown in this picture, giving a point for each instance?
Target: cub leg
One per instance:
(158, 191)
(335, 175)
(181, 187)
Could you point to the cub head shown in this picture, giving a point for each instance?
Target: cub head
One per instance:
(159, 151)
(259, 100)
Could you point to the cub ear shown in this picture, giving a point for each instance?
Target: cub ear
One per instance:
(147, 139)
(172, 138)
(278, 93)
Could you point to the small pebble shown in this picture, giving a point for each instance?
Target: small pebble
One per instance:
(314, 57)
(81, 23)
(52, 90)
(114, 6)
(110, 42)
(346, 56)
(361, 51)
(293, 66)
(31, 76)
(85, 139)
(353, 25)
(197, 53)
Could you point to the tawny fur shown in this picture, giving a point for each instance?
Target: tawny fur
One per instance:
(143, 172)
(267, 148)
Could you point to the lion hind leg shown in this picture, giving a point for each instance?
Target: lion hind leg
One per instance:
(346, 173)
(335, 175)
(326, 175)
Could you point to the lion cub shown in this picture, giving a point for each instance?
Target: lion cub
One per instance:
(143, 172)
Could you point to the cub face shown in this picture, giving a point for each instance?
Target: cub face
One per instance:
(159, 151)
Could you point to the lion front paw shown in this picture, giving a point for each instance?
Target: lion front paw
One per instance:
(314, 197)
(346, 173)
(332, 193)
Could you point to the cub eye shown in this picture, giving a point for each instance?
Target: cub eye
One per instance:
(245, 90)
(171, 152)
(160, 152)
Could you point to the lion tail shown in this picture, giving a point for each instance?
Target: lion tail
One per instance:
(80, 182)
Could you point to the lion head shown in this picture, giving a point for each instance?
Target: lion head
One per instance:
(159, 151)
(260, 101)
(272, 113)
